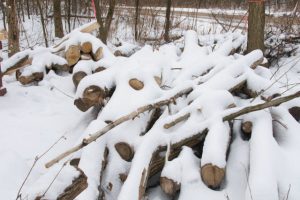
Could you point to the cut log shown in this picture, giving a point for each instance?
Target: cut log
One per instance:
(99, 69)
(231, 116)
(295, 112)
(73, 55)
(37, 76)
(212, 175)
(123, 177)
(19, 64)
(103, 166)
(136, 84)
(58, 67)
(92, 96)
(125, 151)
(98, 54)
(86, 47)
(158, 80)
(78, 185)
(77, 77)
(169, 186)
(247, 128)
(143, 184)
(85, 56)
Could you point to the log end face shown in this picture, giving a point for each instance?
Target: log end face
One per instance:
(86, 47)
(169, 186)
(136, 84)
(73, 55)
(92, 96)
(125, 151)
(212, 175)
(77, 77)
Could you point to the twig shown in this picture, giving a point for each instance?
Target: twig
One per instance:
(177, 120)
(23, 183)
(37, 158)
(54, 178)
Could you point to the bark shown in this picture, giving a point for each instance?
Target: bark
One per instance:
(19, 64)
(3, 14)
(117, 122)
(78, 185)
(236, 113)
(256, 26)
(98, 54)
(77, 77)
(295, 112)
(42, 21)
(13, 28)
(168, 21)
(136, 20)
(104, 24)
(58, 26)
(25, 80)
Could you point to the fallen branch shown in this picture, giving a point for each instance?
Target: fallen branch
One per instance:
(117, 122)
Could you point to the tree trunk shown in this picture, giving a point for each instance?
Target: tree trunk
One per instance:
(27, 8)
(57, 19)
(137, 2)
(256, 26)
(3, 14)
(168, 21)
(104, 25)
(13, 28)
(43, 22)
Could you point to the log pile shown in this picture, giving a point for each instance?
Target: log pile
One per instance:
(32, 65)
(157, 125)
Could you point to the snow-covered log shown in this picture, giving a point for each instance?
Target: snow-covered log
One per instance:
(169, 117)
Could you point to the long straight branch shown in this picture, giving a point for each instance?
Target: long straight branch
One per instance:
(117, 122)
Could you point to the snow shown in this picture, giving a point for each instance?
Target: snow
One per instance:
(34, 118)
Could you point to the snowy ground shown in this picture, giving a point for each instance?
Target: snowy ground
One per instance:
(33, 118)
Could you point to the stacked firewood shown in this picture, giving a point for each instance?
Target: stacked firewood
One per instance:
(162, 118)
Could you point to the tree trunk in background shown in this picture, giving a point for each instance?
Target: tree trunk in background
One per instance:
(43, 22)
(3, 14)
(13, 28)
(57, 19)
(168, 21)
(27, 8)
(256, 26)
(137, 2)
(104, 25)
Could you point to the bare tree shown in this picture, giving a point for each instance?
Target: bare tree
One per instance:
(136, 21)
(43, 22)
(104, 22)
(13, 28)
(256, 25)
(168, 21)
(57, 19)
